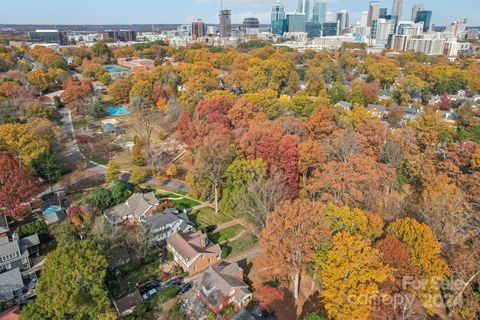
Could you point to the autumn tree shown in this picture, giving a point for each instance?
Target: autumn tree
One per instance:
(351, 275)
(113, 171)
(77, 94)
(269, 296)
(321, 123)
(41, 79)
(17, 185)
(310, 157)
(24, 141)
(294, 233)
(287, 164)
(119, 90)
(211, 160)
(425, 252)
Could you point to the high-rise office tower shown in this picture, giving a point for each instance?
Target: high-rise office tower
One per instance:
(198, 29)
(363, 19)
(315, 10)
(382, 13)
(279, 23)
(397, 9)
(319, 12)
(373, 12)
(297, 22)
(342, 18)
(250, 23)
(415, 9)
(425, 17)
(278, 11)
(225, 23)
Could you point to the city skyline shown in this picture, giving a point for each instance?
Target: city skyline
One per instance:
(123, 12)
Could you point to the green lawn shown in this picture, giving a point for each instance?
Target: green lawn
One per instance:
(226, 234)
(244, 243)
(207, 216)
(181, 202)
(136, 272)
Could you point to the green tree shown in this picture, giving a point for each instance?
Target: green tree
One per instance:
(64, 233)
(101, 50)
(113, 171)
(47, 167)
(71, 285)
(100, 198)
(119, 192)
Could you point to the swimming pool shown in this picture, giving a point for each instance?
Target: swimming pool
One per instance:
(117, 110)
(51, 209)
(112, 68)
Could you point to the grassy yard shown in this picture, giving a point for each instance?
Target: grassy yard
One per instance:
(226, 234)
(134, 273)
(244, 243)
(207, 216)
(179, 201)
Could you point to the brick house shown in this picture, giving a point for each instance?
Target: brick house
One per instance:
(193, 252)
(223, 285)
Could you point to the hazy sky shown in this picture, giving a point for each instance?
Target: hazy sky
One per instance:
(184, 11)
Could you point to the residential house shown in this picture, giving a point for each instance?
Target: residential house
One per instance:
(11, 285)
(136, 208)
(163, 225)
(223, 285)
(109, 128)
(449, 116)
(344, 105)
(193, 252)
(126, 304)
(17, 253)
(411, 114)
(377, 110)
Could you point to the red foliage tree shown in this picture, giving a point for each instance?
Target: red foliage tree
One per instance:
(445, 102)
(185, 129)
(215, 111)
(17, 185)
(77, 93)
(288, 160)
(269, 296)
(321, 123)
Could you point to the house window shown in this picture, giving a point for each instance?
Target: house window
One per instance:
(8, 266)
(209, 260)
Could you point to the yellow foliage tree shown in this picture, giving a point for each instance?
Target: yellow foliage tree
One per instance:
(425, 252)
(23, 141)
(355, 221)
(351, 274)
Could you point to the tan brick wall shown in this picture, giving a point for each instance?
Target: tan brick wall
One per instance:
(202, 264)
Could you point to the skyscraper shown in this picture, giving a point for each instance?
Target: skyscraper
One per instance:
(382, 13)
(363, 19)
(397, 9)
(342, 18)
(296, 22)
(278, 11)
(425, 17)
(279, 23)
(373, 12)
(415, 9)
(225, 23)
(250, 23)
(198, 29)
(315, 10)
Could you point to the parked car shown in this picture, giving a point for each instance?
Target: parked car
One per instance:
(65, 203)
(210, 228)
(172, 282)
(184, 288)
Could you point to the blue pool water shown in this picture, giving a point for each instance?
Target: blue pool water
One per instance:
(51, 209)
(112, 68)
(117, 111)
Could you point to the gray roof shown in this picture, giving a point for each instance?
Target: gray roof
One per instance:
(344, 104)
(157, 221)
(30, 241)
(10, 281)
(10, 248)
(118, 256)
(217, 283)
(128, 302)
(137, 205)
(109, 127)
(56, 217)
(3, 224)
(377, 107)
